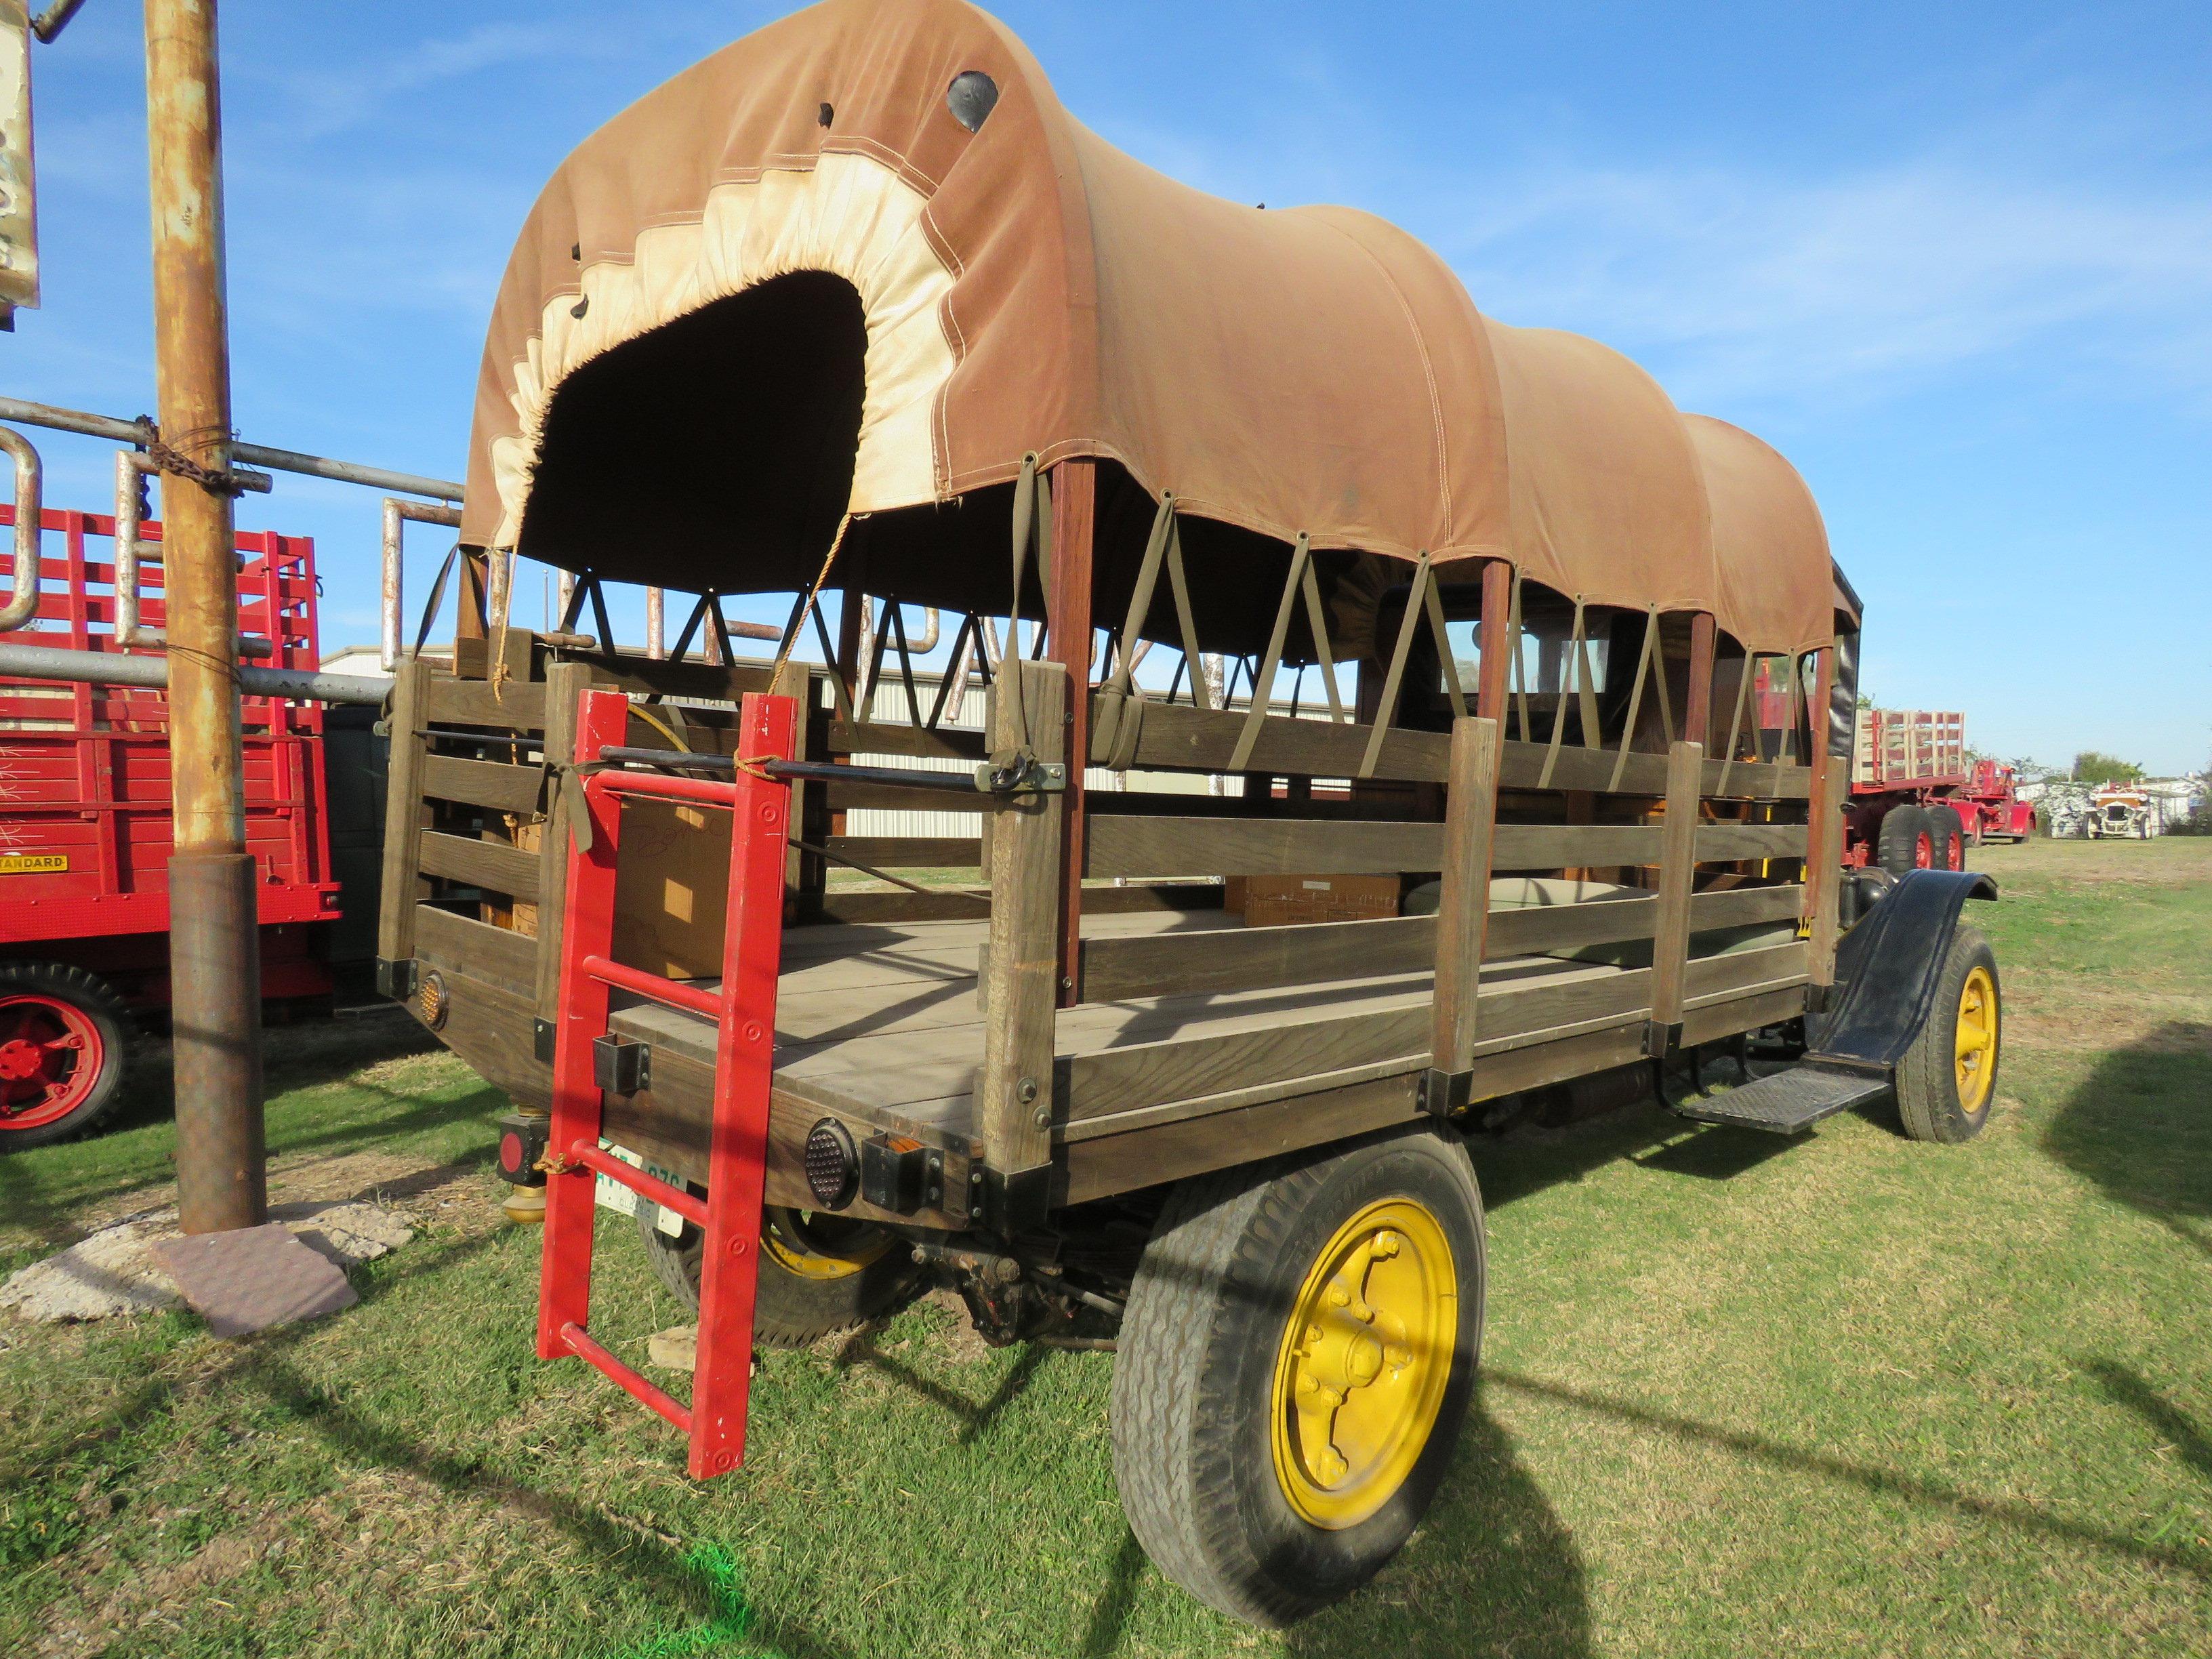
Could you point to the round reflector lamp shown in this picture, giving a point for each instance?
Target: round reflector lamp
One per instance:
(833, 1166)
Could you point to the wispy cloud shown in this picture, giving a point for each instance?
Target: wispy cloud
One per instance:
(334, 98)
(1860, 285)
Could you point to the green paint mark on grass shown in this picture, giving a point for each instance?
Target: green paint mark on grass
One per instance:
(717, 1570)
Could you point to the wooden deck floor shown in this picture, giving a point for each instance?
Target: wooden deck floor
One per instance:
(887, 1016)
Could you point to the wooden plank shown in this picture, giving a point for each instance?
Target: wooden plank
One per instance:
(499, 956)
(705, 682)
(669, 1124)
(1731, 1015)
(1548, 1009)
(403, 814)
(1758, 781)
(492, 865)
(1712, 979)
(1670, 939)
(502, 788)
(873, 737)
(1463, 911)
(1240, 959)
(1718, 843)
(1074, 520)
(1547, 927)
(512, 706)
(910, 852)
(1565, 846)
(565, 683)
(1249, 847)
(1148, 1074)
(1173, 1152)
(489, 1029)
(1739, 907)
(1014, 1114)
(1177, 737)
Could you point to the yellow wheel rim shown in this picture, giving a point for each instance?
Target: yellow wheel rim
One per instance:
(1363, 1363)
(1977, 1038)
(794, 1247)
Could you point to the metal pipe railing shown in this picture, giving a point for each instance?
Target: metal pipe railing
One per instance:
(141, 432)
(129, 465)
(30, 512)
(44, 662)
(398, 514)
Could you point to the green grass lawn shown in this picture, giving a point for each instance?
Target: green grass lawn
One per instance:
(1846, 1394)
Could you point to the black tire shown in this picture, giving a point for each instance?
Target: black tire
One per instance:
(799, 1299)
(1949, 845)
(94, 1001)
(1896, 849)
(1929, 1099)
(1197, 1437)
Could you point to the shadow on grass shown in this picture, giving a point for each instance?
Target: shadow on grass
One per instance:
(861, 1349)
(1492, 1569)
(2127, 1388)
(2136, 1126)
(2008, 1512)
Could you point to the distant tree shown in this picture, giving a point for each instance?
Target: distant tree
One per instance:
(2095, 766)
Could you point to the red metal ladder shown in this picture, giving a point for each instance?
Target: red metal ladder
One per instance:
(744, 1012)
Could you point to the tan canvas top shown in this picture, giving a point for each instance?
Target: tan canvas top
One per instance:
(1026, 287)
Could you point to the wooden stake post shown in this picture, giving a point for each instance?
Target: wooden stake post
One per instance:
(1463, 911)
(1678, 865)
(1029, 706)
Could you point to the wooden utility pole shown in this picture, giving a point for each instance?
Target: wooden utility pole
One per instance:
(215, 963)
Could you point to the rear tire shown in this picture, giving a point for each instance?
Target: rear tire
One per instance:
(1948, 1080)
(818, 1275)
(65, 1047)
(1905, 842)
(1275, 1447)
(1949, 845)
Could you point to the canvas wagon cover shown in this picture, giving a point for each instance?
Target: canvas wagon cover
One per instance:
(1028, 288)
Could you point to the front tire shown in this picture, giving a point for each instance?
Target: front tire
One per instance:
(818, 1274)
(1296, 1362)
(65, 1045)
(1948, 1078)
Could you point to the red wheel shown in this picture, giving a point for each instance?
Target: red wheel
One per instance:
(62, 1046)
(50, 1056)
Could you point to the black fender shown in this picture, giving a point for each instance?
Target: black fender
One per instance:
(1886, 969)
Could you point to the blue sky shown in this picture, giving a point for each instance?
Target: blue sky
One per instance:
(1956, 261)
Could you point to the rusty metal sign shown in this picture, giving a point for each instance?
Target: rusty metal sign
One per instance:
(18, 215)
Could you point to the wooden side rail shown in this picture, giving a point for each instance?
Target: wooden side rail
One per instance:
(1176, 737)
(1219, 960)
(496, 785)
(493, 866)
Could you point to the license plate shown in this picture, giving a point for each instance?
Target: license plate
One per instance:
(613, 1195)
(28, 864)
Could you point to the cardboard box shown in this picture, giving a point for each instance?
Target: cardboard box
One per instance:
(1285, 900)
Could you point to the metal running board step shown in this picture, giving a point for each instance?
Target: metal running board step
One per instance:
(1789, 1102)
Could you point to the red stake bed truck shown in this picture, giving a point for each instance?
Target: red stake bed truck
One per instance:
(85, 826)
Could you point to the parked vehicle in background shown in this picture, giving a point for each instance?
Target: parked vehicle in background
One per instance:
(86, 827)
(1919, 799)
(2118, 811)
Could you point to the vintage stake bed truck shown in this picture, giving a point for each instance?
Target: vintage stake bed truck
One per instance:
(855, 305)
